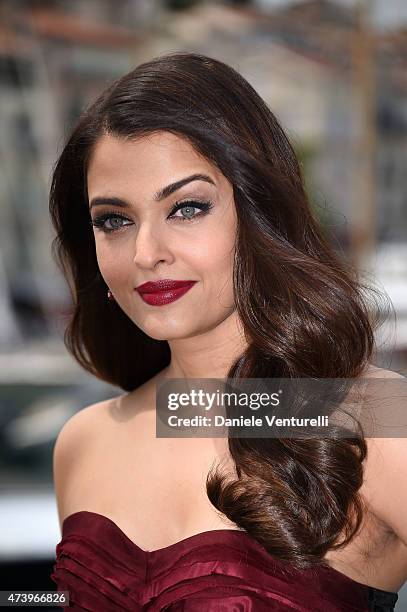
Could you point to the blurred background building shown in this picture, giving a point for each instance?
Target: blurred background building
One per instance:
(333, 72)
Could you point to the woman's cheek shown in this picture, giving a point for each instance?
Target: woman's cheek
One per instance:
(110, 267)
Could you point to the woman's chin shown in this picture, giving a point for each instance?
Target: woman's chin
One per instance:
(169, 332)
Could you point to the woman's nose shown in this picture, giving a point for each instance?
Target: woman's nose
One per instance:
(150, 247)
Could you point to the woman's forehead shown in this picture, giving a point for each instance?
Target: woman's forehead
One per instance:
(152, 161)
(157, 144)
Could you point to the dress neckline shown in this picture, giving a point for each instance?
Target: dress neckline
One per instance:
(196, 536)
(202, 537)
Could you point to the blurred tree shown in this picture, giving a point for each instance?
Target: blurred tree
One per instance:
(327, 218)
(180, 5)
(240, 2)
(306, 153)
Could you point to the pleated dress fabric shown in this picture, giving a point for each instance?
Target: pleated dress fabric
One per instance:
(223, 570)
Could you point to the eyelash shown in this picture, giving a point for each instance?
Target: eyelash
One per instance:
(204, 206)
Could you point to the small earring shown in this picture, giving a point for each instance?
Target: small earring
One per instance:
(110, 295)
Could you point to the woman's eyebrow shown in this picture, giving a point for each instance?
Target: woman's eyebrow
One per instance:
(158, 196)
(166, 191)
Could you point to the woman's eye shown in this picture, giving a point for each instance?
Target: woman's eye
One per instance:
(114, 219)
(188, 210)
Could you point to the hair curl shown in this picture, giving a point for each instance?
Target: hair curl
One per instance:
(301, 305)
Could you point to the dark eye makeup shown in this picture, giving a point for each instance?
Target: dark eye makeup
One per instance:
(204, 206)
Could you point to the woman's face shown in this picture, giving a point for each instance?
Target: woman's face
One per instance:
(149, 241)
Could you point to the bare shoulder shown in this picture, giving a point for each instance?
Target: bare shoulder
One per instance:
(73, 439)
(77, 428)
(373, 371)
(385, 472)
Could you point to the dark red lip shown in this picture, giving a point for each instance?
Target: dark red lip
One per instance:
(163, 292)
(162, 285)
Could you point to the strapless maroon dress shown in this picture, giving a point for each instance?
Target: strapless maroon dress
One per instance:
(224, 570)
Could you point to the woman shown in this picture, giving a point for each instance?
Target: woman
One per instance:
(180, 172)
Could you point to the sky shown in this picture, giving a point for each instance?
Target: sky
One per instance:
(385, 13)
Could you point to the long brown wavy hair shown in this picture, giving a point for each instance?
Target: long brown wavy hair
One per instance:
(302, 306)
